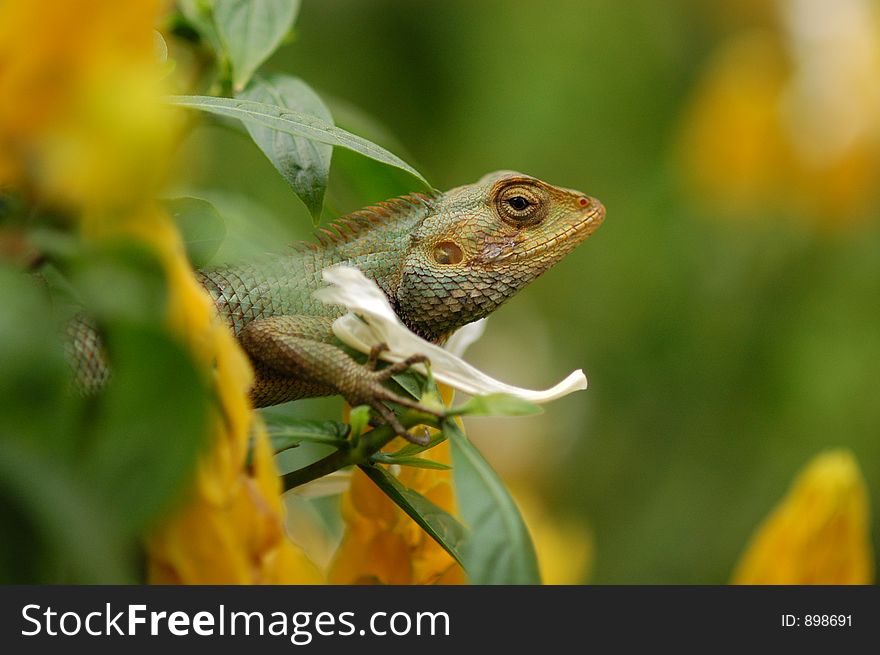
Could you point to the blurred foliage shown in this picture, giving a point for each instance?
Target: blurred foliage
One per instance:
(84, 476)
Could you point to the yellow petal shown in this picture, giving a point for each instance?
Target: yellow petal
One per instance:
(374, 522)
(785, 117)
(818, 534)
(83, 125)
(563, 546)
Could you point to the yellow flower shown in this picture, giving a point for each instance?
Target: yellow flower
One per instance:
(818, 534)
(382, 544)
(80, 123)
(82, 126)
(786, 116)
(230, 530)
(563, 546)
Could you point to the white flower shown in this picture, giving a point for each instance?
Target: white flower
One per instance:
(463, 337)
(371, 321)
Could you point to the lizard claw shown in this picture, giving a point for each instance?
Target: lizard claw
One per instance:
(376, 394)
(421, 438)
(399, 367)
(373, 357)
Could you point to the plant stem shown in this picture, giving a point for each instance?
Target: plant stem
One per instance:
(370, 442)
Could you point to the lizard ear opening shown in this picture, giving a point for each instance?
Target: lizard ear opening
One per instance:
(447, 253)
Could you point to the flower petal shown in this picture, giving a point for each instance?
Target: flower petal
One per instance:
(464, 337)
(372, 321)
(819, 533)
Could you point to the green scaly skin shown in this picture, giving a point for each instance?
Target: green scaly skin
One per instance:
(443, 261)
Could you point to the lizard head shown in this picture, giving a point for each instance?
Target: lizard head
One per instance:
(481, 243)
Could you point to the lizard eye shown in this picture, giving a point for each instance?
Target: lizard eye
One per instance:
(520, 205)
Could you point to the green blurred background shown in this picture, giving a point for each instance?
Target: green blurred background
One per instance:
(726, 313)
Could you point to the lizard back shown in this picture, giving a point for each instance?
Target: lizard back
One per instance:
(372, 239)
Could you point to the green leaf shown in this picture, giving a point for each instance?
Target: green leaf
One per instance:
(415, 462)
(359, 418)
(149, 427)
(304, 163)
(120, 280)
(411, 382)
(498, 549)
(53, 528)
(62, 518)
(295, 123)
(36, 405)
(54, 243)
(286, 432)
(202, 228)
(437, 522)
(421, 387)
(251, 30)
(197, 14)
(414, 449)
(496, 404)
(282, 442)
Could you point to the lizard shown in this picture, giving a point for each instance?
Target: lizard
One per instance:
(442, 259)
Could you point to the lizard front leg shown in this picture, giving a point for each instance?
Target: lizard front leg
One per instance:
(303, 348)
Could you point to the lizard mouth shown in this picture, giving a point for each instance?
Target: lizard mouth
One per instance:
(574, 231)
(593, 216)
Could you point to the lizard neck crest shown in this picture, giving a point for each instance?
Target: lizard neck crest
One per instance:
(351, 227)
